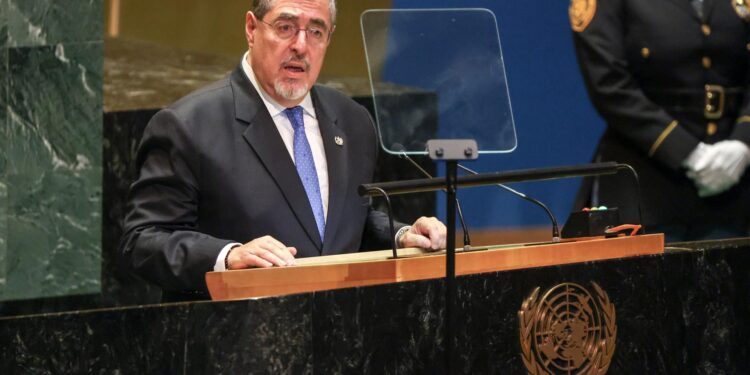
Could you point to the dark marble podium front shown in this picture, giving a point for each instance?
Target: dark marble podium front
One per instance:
(684, 312)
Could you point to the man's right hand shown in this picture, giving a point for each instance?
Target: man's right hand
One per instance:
(262, 252)
(716, 168)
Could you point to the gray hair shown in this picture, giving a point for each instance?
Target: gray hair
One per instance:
(261, 7)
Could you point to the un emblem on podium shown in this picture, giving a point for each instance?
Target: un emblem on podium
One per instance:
(567, 331)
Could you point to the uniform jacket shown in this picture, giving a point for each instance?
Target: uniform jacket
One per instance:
(214, 170)
(646, 65)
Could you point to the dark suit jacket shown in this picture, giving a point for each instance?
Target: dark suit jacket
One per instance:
(214, 170)
(646, 64)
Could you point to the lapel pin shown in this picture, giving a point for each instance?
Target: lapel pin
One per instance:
(339, 141)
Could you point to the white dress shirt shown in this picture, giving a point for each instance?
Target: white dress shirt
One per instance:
(284, 126)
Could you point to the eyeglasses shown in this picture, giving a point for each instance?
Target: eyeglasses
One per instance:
(287, 29)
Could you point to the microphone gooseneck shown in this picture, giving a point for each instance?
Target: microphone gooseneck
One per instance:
(555, 228)
(384, 194)
(467, 240)
(637, 192)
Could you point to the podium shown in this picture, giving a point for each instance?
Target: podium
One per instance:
(378, 267)
(682, 311)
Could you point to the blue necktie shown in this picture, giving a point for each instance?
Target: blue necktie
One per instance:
(303, 159)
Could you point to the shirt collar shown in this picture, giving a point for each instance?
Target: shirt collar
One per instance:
(274, 108)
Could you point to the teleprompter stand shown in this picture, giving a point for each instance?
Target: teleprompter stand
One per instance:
(451, 152)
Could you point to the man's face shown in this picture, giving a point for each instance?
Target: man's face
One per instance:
(288, 68)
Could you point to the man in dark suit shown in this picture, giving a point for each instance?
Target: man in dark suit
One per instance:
(670, 77)
(260, 167)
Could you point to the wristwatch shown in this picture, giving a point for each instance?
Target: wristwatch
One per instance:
(401, 233)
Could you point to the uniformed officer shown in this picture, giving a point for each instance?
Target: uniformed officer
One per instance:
(670, 77)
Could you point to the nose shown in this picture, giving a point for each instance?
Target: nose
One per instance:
(299, 41)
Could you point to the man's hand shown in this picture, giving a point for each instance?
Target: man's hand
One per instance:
(718, 167)
(426, 232)
(263, 252)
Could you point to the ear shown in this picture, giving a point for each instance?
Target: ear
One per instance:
(251, 24)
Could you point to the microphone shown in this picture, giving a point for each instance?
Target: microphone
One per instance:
(402, 154)
(555, 229)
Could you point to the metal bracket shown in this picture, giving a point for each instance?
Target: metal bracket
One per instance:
(452, 149)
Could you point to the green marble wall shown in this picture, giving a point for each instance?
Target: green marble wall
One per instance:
(3, 138)
(51, 141)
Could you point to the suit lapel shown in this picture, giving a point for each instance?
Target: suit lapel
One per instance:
(708, 8)
(263, 137)
(687, 6)
(337, 167)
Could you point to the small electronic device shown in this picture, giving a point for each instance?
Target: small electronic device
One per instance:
(591, 222)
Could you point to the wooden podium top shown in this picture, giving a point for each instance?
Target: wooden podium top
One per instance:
(378, 267)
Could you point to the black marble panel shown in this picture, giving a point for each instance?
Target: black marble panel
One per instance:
(262, 336)
(53, 171)
(121, 134)
(124, 341)
(48, 22)
(265, 336)
(685, 312)
(391, 329)
(118, 350)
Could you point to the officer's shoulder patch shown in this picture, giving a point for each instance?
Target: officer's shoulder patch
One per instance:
(740, 6)
(581, 13)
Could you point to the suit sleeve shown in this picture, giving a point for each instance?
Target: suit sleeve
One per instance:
(377, 233)
(161, 242)
(617, 96)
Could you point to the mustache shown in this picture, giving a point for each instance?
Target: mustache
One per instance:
(299, 59)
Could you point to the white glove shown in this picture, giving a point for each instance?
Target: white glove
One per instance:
(695, 157)
(716, 168)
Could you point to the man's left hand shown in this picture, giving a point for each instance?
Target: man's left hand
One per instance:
(426, 232)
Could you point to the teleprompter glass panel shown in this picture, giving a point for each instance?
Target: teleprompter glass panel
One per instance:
(450, 55)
